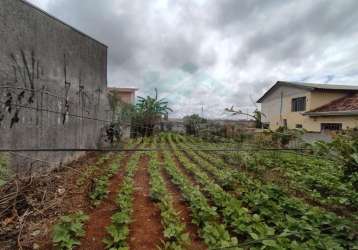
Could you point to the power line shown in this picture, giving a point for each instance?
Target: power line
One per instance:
(142, 149)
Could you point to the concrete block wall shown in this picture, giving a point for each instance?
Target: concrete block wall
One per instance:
(53, 86)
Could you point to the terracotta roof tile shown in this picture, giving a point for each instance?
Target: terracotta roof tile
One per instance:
(346, 103)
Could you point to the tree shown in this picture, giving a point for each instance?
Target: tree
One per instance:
(149, 111)
(257, 115)
(192, 124)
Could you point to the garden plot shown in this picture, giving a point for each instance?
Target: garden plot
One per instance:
(180, 196)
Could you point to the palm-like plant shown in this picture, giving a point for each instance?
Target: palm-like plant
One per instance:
(149, 111)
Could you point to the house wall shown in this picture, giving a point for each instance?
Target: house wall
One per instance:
(276, 110)
(127, 97)
(347, 122)
(319, 98)
(271, 107)
(53, 83)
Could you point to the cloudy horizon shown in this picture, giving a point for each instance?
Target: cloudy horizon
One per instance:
(205, 56)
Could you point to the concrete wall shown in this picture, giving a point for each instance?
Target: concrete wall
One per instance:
(276, 110)
(53, 83)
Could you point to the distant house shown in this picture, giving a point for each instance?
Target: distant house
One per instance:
(311, 106)
(123, 96)
(126, 95)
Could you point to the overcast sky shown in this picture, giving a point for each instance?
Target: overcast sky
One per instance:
(218, 53)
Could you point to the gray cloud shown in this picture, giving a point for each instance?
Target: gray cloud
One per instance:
(214, 54)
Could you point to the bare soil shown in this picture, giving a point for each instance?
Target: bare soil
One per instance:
(38, 202)
(146, 229)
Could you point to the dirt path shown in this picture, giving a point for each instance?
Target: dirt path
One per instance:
(146, 229)
(100, 217)
(185, 213)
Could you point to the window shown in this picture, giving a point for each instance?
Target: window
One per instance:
(299, 126)
(298, 104)
(331, 126)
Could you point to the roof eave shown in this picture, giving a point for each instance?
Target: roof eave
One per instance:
(332, 113)
(279, 84)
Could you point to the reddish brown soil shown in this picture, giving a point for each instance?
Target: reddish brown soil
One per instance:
(100, 217)
(146, 229)
(49, 204)
(185, 214)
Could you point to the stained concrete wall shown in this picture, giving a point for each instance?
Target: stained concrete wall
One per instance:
(53, 83)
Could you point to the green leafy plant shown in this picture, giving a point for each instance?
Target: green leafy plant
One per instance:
(118, 231)
(203, 214)
(68, 230)
(290, 220)
(99, 191)
(174, 231)
(4, 170)
(149, 111)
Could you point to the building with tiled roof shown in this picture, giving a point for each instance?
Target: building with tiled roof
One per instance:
(311, 106)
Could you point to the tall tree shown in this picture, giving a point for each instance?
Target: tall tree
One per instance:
(150, 110)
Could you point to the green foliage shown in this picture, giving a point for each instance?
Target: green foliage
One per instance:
(192, 124)
(100, 185)
(99, 191)
(234, 214)
(343, 150)
(90, 170)
(283, 136)
(256, 115)
(174, 231)
(118, 231)
(4, 170)
(203, 214)
(263, 210)
(68, 230)
(149, 111)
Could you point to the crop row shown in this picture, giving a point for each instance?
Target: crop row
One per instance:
(99, 189)
(174, 231)
(321, 178)
(246, 226)
(316, 176)
(284, 213)
(118, 231)
(211, 230)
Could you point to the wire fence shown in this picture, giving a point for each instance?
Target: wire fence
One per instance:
(147, 149)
